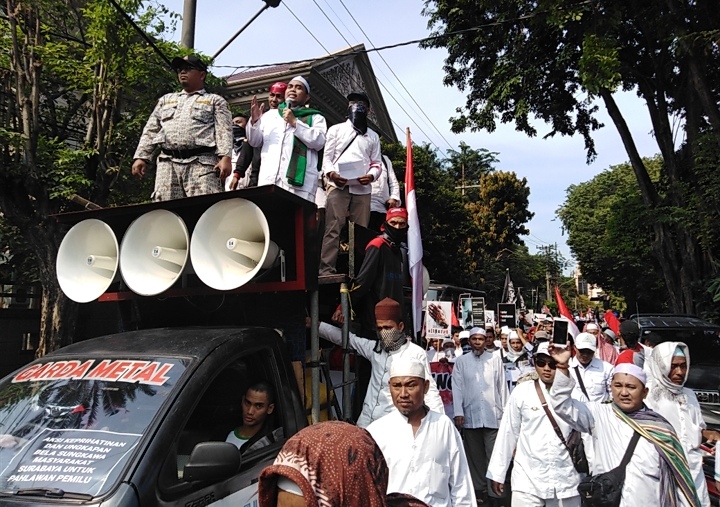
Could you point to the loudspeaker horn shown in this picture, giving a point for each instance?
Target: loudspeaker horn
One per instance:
(87, 260)
(231, 244)
(154, 252)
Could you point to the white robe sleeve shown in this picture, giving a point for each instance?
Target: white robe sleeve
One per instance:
(506, 441)
(573, 412)
(363, 346)
(432, 398)
(254, 133)
(462, 491)
(312, 137)
(457, 388)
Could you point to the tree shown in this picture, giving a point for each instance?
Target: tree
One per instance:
(522, 60)
(466, 166)
(76, 88)
(610, 234)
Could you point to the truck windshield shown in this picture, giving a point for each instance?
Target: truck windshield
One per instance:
(72, 425)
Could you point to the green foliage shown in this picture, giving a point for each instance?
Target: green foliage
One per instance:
(610, 234)
(464, 235)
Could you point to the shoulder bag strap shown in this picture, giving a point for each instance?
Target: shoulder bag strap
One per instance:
(630, 450)
(580, 380)
(345, 148)
(547, 412)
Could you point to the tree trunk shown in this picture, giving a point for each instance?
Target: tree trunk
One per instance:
(666, 247)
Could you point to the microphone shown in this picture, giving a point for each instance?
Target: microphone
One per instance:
(288, 103)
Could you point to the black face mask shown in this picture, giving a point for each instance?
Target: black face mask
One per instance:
(239, 136)
(357, 114)
(397, 236)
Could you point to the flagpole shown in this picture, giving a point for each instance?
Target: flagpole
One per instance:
(414, 241)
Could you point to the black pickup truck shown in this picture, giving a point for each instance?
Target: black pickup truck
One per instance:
(140, 418)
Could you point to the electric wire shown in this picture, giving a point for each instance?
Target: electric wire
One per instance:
(332, 56)
(396, 76)
(380, 82)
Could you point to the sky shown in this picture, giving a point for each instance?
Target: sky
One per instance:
(550, 166)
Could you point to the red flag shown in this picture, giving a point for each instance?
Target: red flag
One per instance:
(612, 321)
(565, 312)
(455, 321)
(415, 250)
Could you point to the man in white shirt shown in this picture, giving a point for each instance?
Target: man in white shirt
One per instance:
(657, 473)
(479, 396)
(423, 450)
(392, 344)
(351, 162)
(543, 473)
(385, 194)
(291, 138)
(592, 375)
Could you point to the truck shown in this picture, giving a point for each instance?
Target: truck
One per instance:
(140, 419)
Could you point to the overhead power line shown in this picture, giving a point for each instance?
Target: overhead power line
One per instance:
(390, 94)
(396, 77)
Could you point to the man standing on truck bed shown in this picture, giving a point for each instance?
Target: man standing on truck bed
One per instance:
(193, 129)
(392, 344)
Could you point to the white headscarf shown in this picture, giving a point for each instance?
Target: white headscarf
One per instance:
(659, 368)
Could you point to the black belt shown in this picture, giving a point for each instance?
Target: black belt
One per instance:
(188, 152)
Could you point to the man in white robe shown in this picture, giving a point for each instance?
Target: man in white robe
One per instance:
(596, 375)
(479, 396)
(668, 368)
(392, 344)
(607, 422)
(279, 131)
(422, 448)
(543, 473)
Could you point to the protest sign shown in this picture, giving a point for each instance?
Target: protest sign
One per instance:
(506, 315)
(437, 319)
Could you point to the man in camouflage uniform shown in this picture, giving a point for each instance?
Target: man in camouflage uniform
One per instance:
(193, 129)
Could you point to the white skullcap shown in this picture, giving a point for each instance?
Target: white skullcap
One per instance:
(447, 341)
(591, 327)
(513, 335)
(303, 81)
(478, 330)
(289, 486)
(464, 334)
(407, 367)
(505, 330)
(633, 370)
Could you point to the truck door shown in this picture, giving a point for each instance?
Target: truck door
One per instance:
(218, 417)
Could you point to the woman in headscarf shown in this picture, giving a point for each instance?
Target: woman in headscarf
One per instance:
(668, 368)
(330, 464)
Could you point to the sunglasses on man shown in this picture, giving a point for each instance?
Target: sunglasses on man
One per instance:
(542, 363)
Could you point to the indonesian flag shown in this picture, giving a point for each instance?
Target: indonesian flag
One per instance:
(415, 250)
(612, 321)
(565, 312)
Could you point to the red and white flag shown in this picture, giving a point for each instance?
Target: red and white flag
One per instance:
(415, 250)
(565, 312)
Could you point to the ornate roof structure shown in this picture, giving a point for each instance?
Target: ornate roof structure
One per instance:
(331, 78)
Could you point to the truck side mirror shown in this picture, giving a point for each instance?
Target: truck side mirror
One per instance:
(212, 461)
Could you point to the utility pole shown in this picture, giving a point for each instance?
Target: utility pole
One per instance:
(188, 25)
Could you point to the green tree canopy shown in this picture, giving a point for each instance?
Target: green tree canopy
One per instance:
(523, 60)
(610, 234)
(76, 86)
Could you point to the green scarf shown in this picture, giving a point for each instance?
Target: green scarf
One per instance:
(298, 159)
(674, 470)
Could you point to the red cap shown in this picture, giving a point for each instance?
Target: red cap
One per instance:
(396, 212)
(278, 88)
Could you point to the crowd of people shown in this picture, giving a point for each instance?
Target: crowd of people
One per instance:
(487, 416)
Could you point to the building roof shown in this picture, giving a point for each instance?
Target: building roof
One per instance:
(331, 78)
